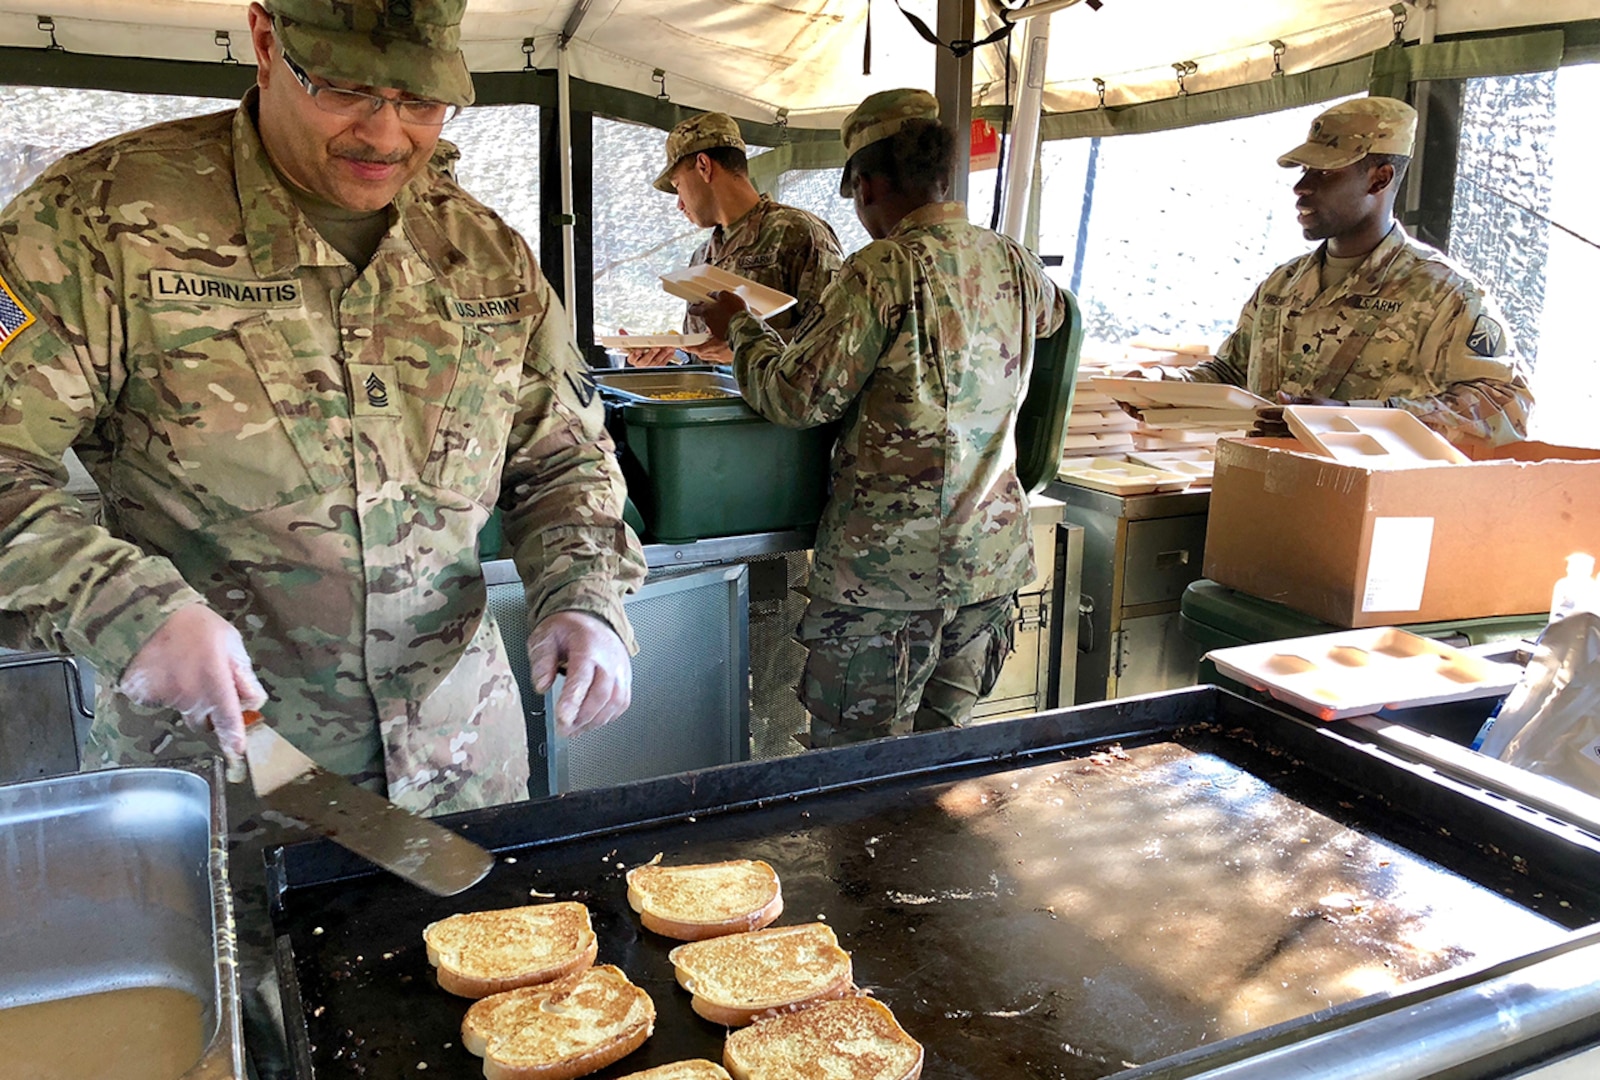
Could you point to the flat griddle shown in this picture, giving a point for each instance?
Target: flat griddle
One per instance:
(1064, 896)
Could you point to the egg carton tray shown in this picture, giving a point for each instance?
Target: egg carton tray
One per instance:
(1359, 672)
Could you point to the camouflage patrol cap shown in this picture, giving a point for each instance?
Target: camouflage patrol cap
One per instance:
(1351, 130)
(704, 132)
(880, 116)
(409, 45)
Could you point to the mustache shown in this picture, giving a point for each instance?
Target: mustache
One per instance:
(369, 156)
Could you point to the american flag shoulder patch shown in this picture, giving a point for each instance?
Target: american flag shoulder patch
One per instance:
(14, 316)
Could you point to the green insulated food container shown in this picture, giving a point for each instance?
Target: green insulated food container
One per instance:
(714, 467)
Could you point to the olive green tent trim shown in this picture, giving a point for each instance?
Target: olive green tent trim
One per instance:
(1254, 99)
(1521, 54)
(539, 88)
(1388, 71)
(56, 67)
(1582, 43)
(815, 154)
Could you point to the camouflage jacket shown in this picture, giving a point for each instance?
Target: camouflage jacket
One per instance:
(923, 347)
(310, 450)
(1407, 328)
(779, 246)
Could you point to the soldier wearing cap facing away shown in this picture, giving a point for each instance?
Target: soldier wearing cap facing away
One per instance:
(1373, 317)
(922, 346)
(782, 247)
(304, 367)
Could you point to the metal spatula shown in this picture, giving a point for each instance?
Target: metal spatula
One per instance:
(425, 854)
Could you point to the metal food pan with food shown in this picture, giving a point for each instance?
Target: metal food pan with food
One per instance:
(116, 925)
(1155, 887)
(646, 385)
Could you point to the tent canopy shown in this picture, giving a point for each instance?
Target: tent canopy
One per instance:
(801, 61)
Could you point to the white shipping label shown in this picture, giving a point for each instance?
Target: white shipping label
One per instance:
(1398, 568)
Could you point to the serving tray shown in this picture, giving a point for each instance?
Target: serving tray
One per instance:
(697, 283)
(1175, 393)
(1358, 672)
(652, 341)
(1121, 477)
(1374, 438)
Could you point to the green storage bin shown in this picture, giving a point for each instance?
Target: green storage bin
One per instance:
(1042, 420)
(700, 469)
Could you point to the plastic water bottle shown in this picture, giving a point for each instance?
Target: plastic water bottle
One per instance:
(1576, 589)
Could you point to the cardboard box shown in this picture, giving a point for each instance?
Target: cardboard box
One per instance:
(1361, 547)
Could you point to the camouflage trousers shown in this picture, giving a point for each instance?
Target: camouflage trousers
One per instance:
(871, 673)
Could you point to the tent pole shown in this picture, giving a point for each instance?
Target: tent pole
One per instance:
(1421, 91)
(952, 85)
(1024, 147)
(569, 261)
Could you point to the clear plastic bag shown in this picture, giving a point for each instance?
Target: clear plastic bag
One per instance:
(1550, 724)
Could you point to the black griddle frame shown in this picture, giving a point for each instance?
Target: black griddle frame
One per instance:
(1508, 842)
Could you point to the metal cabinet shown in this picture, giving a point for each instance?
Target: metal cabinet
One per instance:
(1044, 624)
(1140, 553)
(690, 682)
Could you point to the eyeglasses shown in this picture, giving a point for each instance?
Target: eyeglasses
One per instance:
(354, 105)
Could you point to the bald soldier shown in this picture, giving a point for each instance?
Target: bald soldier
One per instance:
(1373, 317)
(922, 346)
(781, 247)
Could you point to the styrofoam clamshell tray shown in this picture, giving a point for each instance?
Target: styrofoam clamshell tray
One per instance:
(1375, 438)
(1088, 421)
(1120, 477)
(652, 341)
(699, 282)
(1359, 672)
(1188, 463)
(1145, 393)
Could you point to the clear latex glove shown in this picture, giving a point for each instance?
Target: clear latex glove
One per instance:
(195, 664)
(599, 684)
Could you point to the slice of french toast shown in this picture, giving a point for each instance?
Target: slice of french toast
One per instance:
(478, 953)
(703, 900)
(739, 977)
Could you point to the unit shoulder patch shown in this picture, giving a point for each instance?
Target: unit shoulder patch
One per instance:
(1487, 337)
(14, 315)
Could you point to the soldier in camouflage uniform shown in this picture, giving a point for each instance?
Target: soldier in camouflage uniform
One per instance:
(1373, 317)
(303, 367)
(782, 247)
(922, 346)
